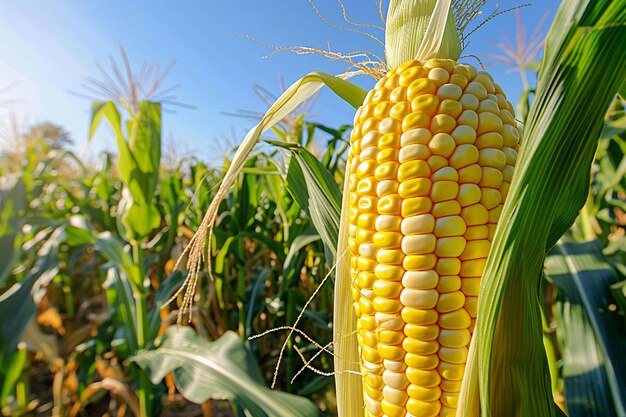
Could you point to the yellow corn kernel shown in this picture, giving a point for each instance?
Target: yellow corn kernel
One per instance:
(389, 204)
(488, 122)
(417, 316)
(446, 174)
(489, 140)
(386, 305)
(450, 91)
(390, 337)
(451, 108)
(471, 174)
(442, 144)
(421, 361)
(469, 118)
(387, 155)
(448, 266)
(415, 136)
(388, 272)
(423, 408)
(450, 301)
(420, 347)
(389, 321)
(448, 283)
(459, 79)
(444, 190)
(492, 178)
(449, 226)
(450, 246)
(418, 244)
(387, 289)
(392, 410)
(450, 386)
(419, 332)
(490, 198)
(475, 214)
(470, 286)
(386, 171)
(463, 134)
(511, 135)
(436, 162)
(491, 157)
(390, 256)
(449, 399)
(386, 187)
(454, 338)
(453, 355)
(476, 249)
(472, 268)
(415, 206)
(368, 323)
(476, 232)
(381, 110)
(413, 152)
(489, 105)
(420, 280)
(400, 110)
(443, 123)
(446, 208)
(419, 87)
(423, 377)
(413, 169)
(471, 305)
(464, 155)
(415, 187)
(451, 371)
(419, 262)
(407, 76)
(417, 392)
(391, 352)
(370, 354)
(458, 319)
(477, 90)
(426, 103)
(420, 299)
(397, 380)
(374, 381)
(389, 140)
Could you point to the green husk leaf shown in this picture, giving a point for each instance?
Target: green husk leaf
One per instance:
(580, 75)
(348, 383)
(420, 29)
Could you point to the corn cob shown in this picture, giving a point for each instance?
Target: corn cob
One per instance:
(432, 156)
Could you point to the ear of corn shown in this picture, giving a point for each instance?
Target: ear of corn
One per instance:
(433, 150)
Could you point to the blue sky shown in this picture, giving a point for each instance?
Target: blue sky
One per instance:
(49, 47)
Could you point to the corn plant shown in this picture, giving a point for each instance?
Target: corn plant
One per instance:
(399, 327)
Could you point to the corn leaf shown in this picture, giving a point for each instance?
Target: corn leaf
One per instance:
(295, 95)
(12, 206)
(590, 333)
(222, 369)
(138, 164)
(581, 73)
(316, 191)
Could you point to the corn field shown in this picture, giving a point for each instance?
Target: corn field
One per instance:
(451, 251)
